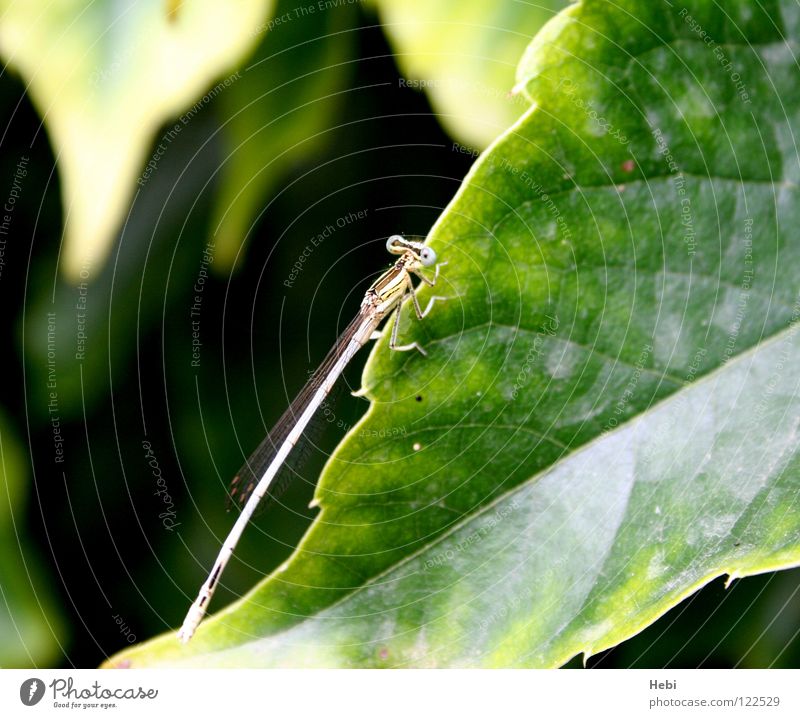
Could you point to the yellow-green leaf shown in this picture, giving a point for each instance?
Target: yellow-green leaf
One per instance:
(105, 76)
(463, 53)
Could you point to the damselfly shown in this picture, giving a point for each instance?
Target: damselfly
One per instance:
(251, 484)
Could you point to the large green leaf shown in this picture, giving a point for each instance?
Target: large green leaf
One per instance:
(608, 414)
(104, 76)
(463, 53)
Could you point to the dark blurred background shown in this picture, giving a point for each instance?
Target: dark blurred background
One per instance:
(106, 565)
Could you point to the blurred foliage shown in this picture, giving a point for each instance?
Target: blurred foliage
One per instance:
(275, 117)
(321, 109)
(558, 474)
(104, 75)
(31, 626)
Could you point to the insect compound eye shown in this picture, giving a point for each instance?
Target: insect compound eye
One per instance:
(427, 256)
(393, 241)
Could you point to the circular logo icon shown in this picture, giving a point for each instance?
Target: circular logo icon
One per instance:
(31, 691)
